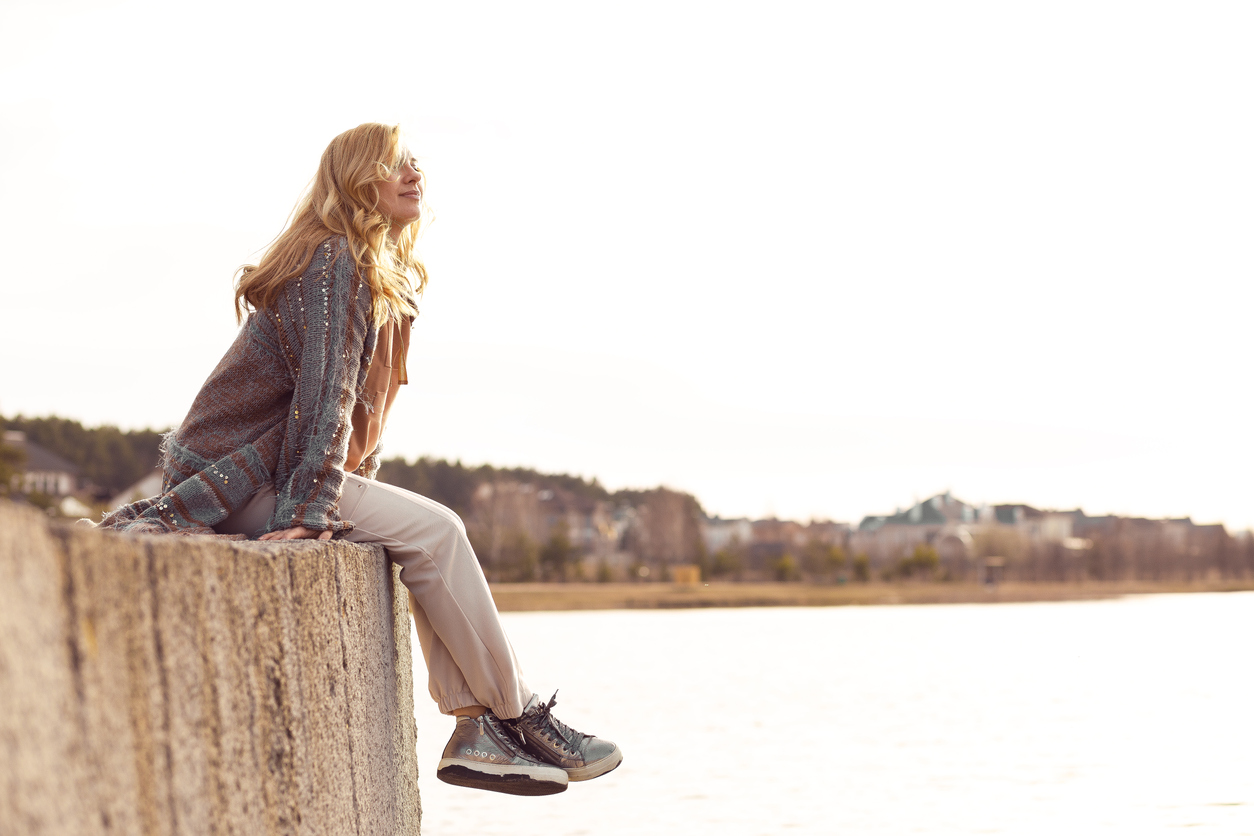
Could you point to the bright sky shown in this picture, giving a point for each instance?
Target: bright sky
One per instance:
(810, 259)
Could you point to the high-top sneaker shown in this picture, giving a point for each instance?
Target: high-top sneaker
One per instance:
(549, 739)
(483, 755)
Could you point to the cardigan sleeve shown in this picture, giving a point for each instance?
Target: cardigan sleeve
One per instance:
(328, 314)
(369, 467)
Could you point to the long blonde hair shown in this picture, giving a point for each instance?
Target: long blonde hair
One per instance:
(344, 200)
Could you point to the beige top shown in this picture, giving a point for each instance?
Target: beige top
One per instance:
(385, 374)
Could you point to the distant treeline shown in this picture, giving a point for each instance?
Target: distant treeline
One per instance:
(525, 524)
(454, 484)
(111, 460)
(108, 458)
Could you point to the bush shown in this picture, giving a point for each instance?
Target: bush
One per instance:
(556, 555)
(823, 562)
(12, 462)
(923, 562)
(726, 563)
(604, 574)
(785, 568)
(519, 559)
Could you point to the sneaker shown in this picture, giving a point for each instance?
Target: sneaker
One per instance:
(483, 755)
(550, 740)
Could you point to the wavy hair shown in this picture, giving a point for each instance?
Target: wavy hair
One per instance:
(344, 200)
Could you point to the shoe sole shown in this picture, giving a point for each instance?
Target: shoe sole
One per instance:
(500, 778)
(597, 768)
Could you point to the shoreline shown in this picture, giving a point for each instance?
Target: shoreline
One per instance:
(534, 597)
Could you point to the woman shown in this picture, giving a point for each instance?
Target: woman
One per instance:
(282, 443)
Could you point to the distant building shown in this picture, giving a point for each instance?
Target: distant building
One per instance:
(666, 528)
(719, 534)
(43, 470)
(940, 521)
(149, 485)
(761, 542)
(942, 509)
(1037, 525)
(71, 506)
(828, 533)
(589, 523)
(772, 539)
(1034, 544)
(505, 509)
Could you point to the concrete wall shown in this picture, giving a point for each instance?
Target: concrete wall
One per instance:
(174, 685)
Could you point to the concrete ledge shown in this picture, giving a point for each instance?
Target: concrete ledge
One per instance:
(187, 685)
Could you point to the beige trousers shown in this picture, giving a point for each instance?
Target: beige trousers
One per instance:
(469, 659)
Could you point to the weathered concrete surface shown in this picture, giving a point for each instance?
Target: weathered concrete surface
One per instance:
(174, 685)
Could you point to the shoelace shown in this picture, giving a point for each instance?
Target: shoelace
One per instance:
(551, 727)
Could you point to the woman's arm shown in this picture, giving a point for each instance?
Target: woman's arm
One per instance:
(328, 315)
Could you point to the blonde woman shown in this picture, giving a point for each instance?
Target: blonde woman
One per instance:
(282, 443)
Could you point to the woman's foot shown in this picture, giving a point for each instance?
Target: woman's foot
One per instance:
(548, 739)
(483, 755)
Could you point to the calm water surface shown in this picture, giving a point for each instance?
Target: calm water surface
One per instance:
(1133, 716)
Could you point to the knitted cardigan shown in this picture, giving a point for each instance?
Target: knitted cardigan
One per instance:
(275, 410)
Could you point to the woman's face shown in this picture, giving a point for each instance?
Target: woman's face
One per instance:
(400, 196)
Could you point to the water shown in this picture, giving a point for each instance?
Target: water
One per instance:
(1133, 716)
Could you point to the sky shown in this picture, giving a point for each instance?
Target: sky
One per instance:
(813, 260)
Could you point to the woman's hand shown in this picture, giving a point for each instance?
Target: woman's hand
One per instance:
(298, 532)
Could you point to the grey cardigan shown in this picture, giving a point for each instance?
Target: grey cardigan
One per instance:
(275, 410)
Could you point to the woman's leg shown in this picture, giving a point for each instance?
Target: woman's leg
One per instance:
(252, 518)
(469, 659)
(470, 662)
